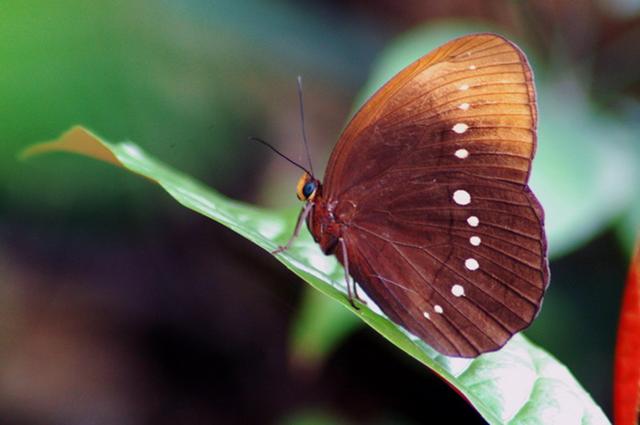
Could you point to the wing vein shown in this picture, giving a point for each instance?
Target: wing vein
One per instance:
(397, 123)
(451, 82)
(472, 343)
(419, 323)
(455, 272)
(470, 230)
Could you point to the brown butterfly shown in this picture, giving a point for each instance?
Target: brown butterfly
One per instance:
(425, 200)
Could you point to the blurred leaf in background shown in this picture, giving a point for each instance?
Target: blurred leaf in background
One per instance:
(132, 75)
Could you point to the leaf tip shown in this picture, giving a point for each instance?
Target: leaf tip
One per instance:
(77, 140)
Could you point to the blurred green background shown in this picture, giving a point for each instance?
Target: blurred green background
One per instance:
(119, 306)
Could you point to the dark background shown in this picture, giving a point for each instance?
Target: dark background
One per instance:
(118, 306)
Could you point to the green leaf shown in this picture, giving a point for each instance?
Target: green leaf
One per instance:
(319, 327)
(520, 383)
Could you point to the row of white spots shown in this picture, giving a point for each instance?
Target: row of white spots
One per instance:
(437, 308)
(462, 127)
(470, 263)
(462, 197)
(456, 290)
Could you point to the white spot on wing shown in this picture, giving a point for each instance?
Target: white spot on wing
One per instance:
(462, 153)
(475, 240)
(464, 106)
(471, 264)
(457, 290)
(461, 197)
(426, 315)
(464, 87)
(472, 67)
(473, 221)
(438, 309)
(460, 127)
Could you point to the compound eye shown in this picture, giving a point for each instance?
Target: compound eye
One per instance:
(308, 189)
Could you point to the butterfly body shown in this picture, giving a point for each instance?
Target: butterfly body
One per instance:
(323, 225)
(425, 199)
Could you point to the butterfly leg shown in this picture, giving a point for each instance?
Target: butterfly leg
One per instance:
(352, 288)
(301, 219)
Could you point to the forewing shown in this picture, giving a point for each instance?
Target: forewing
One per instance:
(468, 105)
(430, 181)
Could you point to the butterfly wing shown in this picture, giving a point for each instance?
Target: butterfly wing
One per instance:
(430, 181)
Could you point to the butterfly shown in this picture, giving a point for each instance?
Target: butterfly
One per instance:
(425, 200)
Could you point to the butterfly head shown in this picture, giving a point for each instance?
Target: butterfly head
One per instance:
(307, 187)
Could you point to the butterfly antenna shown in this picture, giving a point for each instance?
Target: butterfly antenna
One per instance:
(255, 139)
(304, 132)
